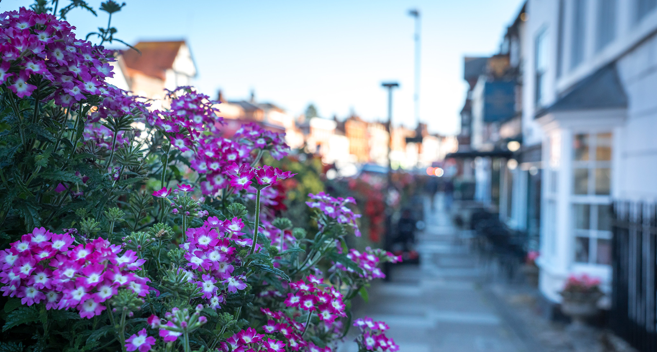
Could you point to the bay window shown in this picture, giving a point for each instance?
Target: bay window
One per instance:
(591, 202)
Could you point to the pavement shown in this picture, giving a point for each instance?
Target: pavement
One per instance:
(440, 305)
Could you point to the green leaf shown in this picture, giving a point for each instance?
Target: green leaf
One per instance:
(22, 315)
(363, 293)
(12, 304)
(63, 315)
(99, 333)
(344, 260)
(42, 132)
(211, 312)
(30, 213)
(274, 271)
(61, 176)
(11, 347)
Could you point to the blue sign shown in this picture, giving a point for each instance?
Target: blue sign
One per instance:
(499, 101)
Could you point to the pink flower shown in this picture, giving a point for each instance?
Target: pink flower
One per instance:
(153, 321)
(4, 69)
(234, 284)
(185, 188)
(90, 308)
(141, 341)
(168, 335)
(274, 346)
(61, 242)
(21, 87)
(30, 295)
(162, 193)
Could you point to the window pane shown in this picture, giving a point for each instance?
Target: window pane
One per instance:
(604, 252)
(581, 249)
(581, 181)
(603, 147)
(602, 181)
(577, 43)
(581, 147)
(582, 216)
(606, 22)
(604, 217)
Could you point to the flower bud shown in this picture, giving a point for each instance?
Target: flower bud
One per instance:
(202, 320)
(199, 307)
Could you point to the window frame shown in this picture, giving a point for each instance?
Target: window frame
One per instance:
(594, 201)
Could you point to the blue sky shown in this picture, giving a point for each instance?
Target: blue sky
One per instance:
(334, 53)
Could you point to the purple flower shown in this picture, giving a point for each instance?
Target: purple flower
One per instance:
(164, 192)
(141, 342)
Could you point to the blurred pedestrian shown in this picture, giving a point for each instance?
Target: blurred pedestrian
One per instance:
(449, 193)
(406, 230)
(431, 188)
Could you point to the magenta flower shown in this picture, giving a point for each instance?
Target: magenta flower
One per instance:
(162, 193)
(90, 308)
(154, 321)
(185, 188)
(168, 335)
(141, 341)
(21, 87)
(4, 69)
(234, 284)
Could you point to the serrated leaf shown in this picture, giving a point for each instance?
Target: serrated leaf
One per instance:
(61, 176)
(63, 315)
(30, 213)
(12, 304)
(276, 272)
(11, 347)
(344, 260)
(99, 333)
(22, 315)
(211, 312)
(42, 132)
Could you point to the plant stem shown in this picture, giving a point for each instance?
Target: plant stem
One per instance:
(165, 165)
(310, 315)
(109, 161)
(257, 222)
(122, 330)
(186, 336)
(184, 228)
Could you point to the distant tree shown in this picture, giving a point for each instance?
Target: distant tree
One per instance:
(311, 111)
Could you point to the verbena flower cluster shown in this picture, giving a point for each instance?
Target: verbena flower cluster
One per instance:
(373, 337)
(48, 267)
(143, 264)
(336, 208)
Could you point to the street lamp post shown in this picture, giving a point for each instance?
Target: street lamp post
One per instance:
(415, 13)
(388, 234)
(389, 86)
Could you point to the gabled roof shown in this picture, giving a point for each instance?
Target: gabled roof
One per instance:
(247, 106)
(473, 67)
(153, 58)
(600, 90)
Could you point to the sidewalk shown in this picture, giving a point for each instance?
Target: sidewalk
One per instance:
(440, 306)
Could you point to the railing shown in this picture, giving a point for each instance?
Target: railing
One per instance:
(633, 313)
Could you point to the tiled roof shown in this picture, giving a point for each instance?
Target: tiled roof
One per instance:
(155, 58)
(600, 90)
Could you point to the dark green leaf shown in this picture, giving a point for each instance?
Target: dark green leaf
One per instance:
(42, 132)
(274, 271)
(12, 304)
(363, 293)
(99, 333)
(22, 315)
(11, 347)
(63, 176)
(30, 213)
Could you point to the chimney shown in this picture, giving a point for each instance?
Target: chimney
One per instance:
(252, 101)
(220, 96)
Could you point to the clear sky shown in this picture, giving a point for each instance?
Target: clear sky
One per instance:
(334, 54)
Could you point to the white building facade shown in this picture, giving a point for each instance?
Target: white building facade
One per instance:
(589, 82)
